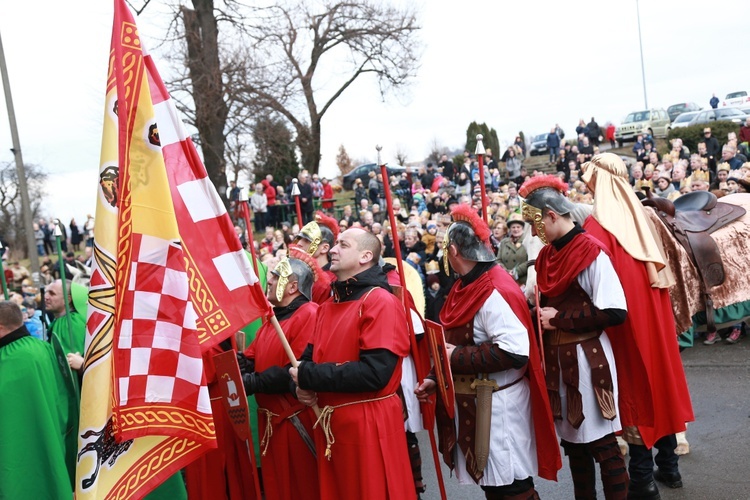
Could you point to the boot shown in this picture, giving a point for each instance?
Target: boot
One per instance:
(415, 457)
(582, 469)
(615, 480)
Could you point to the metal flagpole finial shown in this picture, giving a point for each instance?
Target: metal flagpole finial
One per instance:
(295, 187)
(480, 145)
(379, 148)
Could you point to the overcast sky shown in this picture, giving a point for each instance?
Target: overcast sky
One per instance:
(514, 65)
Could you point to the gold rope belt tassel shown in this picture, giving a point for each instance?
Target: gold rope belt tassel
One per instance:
(325, 420)
(269, 429)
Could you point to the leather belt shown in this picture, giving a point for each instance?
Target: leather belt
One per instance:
(462, 384)
(559, 337)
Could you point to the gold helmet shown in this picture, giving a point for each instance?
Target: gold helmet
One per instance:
(311, 232)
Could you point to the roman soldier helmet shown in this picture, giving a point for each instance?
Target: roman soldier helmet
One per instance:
(311, 232)
(470, 234)
(544, 192)
(300, 265)
(329, 228)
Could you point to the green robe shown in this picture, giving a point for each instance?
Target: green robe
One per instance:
(59, 327)
(250, 331)
(33, 422)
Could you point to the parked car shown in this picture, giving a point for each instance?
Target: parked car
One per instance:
(363, 172)
(684, 119)
(677, 109)
(736, 99)
(654, 122)
(539, 145)
(721, 114)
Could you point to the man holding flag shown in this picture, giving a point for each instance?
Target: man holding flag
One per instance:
(169, 282)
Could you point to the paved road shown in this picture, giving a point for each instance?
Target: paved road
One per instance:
(718, 466)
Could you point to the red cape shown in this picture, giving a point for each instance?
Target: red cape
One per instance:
(462, 305)
(654, 394)
(556, 269)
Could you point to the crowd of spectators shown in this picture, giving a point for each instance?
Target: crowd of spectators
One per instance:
(423, 195)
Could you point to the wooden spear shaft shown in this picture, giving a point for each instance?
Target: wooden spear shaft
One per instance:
(289, 353)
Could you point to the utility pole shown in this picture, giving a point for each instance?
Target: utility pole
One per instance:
(640, 42)
(28, 223)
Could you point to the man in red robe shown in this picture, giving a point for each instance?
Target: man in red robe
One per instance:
(654, 399)
(288, 451)
(352, 369)
(491, 337)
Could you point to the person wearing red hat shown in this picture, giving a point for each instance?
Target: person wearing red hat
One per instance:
(580, 298)
(491, 343)
(317, 238)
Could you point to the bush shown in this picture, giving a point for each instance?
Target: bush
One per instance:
(693, 134)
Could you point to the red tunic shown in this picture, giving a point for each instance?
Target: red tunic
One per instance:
(654, 394)
(321, 290)
(462, 305)
(289, 468)
(225, 472)
(369, 457)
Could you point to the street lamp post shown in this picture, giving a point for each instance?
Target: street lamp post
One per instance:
(28, 223)
(640, 42)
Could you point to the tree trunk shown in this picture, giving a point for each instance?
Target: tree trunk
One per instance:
(308, 142)
(201, 34)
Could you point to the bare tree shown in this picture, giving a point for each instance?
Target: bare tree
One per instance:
(292, 41)
(344, 162)
(11, 217)
(400, 155)
(235, 63)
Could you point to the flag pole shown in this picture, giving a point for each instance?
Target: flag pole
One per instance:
(244, 207)
(479, 151)
(296, 194)
(2, 275)
(289, 353)
(63, 280)
(400, 265)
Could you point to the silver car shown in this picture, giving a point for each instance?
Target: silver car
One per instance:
(684, 119)
(719, 115)
(654, 122)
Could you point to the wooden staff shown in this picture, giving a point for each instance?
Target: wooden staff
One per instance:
(479, 152)
(539, 327)
(289, 353)
(402, 277)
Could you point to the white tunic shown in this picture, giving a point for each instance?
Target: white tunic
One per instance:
(601, 283)
(409, 383)
(512, 439)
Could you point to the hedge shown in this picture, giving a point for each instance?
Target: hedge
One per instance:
(693, 134)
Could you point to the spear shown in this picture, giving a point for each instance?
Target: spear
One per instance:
(400, 264)
(2, 275)
(479, 152)
(63, 280)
